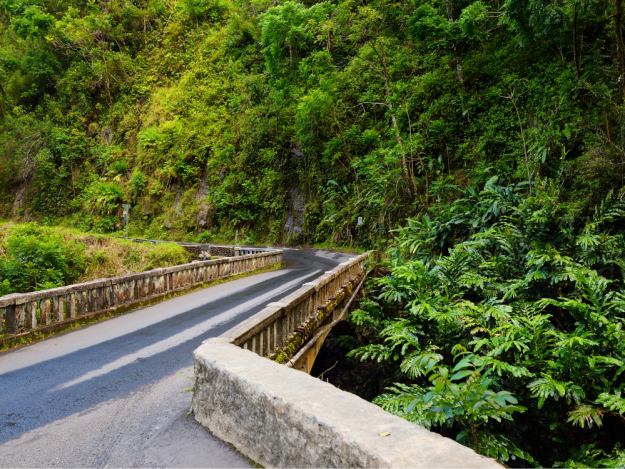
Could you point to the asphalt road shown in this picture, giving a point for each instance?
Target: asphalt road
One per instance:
(110, 394)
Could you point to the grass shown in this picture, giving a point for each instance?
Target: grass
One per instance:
(37, 336)
(344, 249)
(104, 256)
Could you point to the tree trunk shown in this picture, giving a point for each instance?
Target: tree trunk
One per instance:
(575, 56)
(618, 18)
(455, 48)
(474, 434)
(527, 162)
(397, 136)
(4, 117)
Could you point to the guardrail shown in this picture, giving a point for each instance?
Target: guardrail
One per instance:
(27, 312)
(279, 330)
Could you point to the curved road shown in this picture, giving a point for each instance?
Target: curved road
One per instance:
(109, 394)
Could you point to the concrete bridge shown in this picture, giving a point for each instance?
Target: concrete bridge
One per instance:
(109, 395)
(250, 390)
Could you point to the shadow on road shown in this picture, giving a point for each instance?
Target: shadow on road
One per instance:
(34, 396)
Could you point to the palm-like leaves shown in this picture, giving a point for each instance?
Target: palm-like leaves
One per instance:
(535, 296)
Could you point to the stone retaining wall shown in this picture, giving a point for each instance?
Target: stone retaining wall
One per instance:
(226, 251)
(195, 249)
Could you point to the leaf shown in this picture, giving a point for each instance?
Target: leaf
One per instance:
(428, 397)
(463, 364)
(385, 434)
(461, 374)
(412, 405)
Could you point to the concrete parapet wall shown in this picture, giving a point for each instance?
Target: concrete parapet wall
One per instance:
(281, 417)
(280, 329)
(22, 313)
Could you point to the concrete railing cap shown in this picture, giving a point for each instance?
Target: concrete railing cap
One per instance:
(22, 298)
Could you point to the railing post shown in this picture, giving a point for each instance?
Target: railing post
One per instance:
(70, 305)
(31, 315)
(81, 300)
(57, 304)
(10, 319)
(45, 311)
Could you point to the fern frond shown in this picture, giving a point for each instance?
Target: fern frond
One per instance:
(584, 416)
(613, 402)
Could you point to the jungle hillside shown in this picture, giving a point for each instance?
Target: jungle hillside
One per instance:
(289, 120)
(481, 144)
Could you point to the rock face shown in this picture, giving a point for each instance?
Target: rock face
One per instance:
(177, 207)
(106, 135)
(177, 212)
(202, 213)
(20, 199)
(293, 232)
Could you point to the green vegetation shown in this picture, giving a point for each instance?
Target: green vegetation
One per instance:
(501, 324)
(211, 117)
(33, 257)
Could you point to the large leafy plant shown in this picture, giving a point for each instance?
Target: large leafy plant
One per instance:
(531, 301)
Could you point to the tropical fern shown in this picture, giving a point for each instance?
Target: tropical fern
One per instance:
(612, 401)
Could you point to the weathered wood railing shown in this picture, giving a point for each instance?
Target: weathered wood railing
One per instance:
(279, 330)
(23, 312)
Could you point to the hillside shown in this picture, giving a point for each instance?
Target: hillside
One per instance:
(289, 121)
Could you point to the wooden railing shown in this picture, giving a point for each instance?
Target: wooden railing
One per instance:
(279, 330)
(23, 312)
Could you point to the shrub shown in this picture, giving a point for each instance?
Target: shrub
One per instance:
(36, 260)
(504, 288)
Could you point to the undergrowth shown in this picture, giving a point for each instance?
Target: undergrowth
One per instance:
(501, 324)
(34, 257)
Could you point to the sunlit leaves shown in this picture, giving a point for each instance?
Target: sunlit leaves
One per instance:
(287, 30)
(547, 387)
(585, 416)
(612, 401)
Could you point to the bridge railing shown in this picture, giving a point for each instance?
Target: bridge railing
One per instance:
(211, 249)
(280, 329)
(24, 312)
(282, 417)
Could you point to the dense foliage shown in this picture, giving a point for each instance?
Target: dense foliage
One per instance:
(34, 262)
(500, 324)
(35, 257)
(210, 116)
